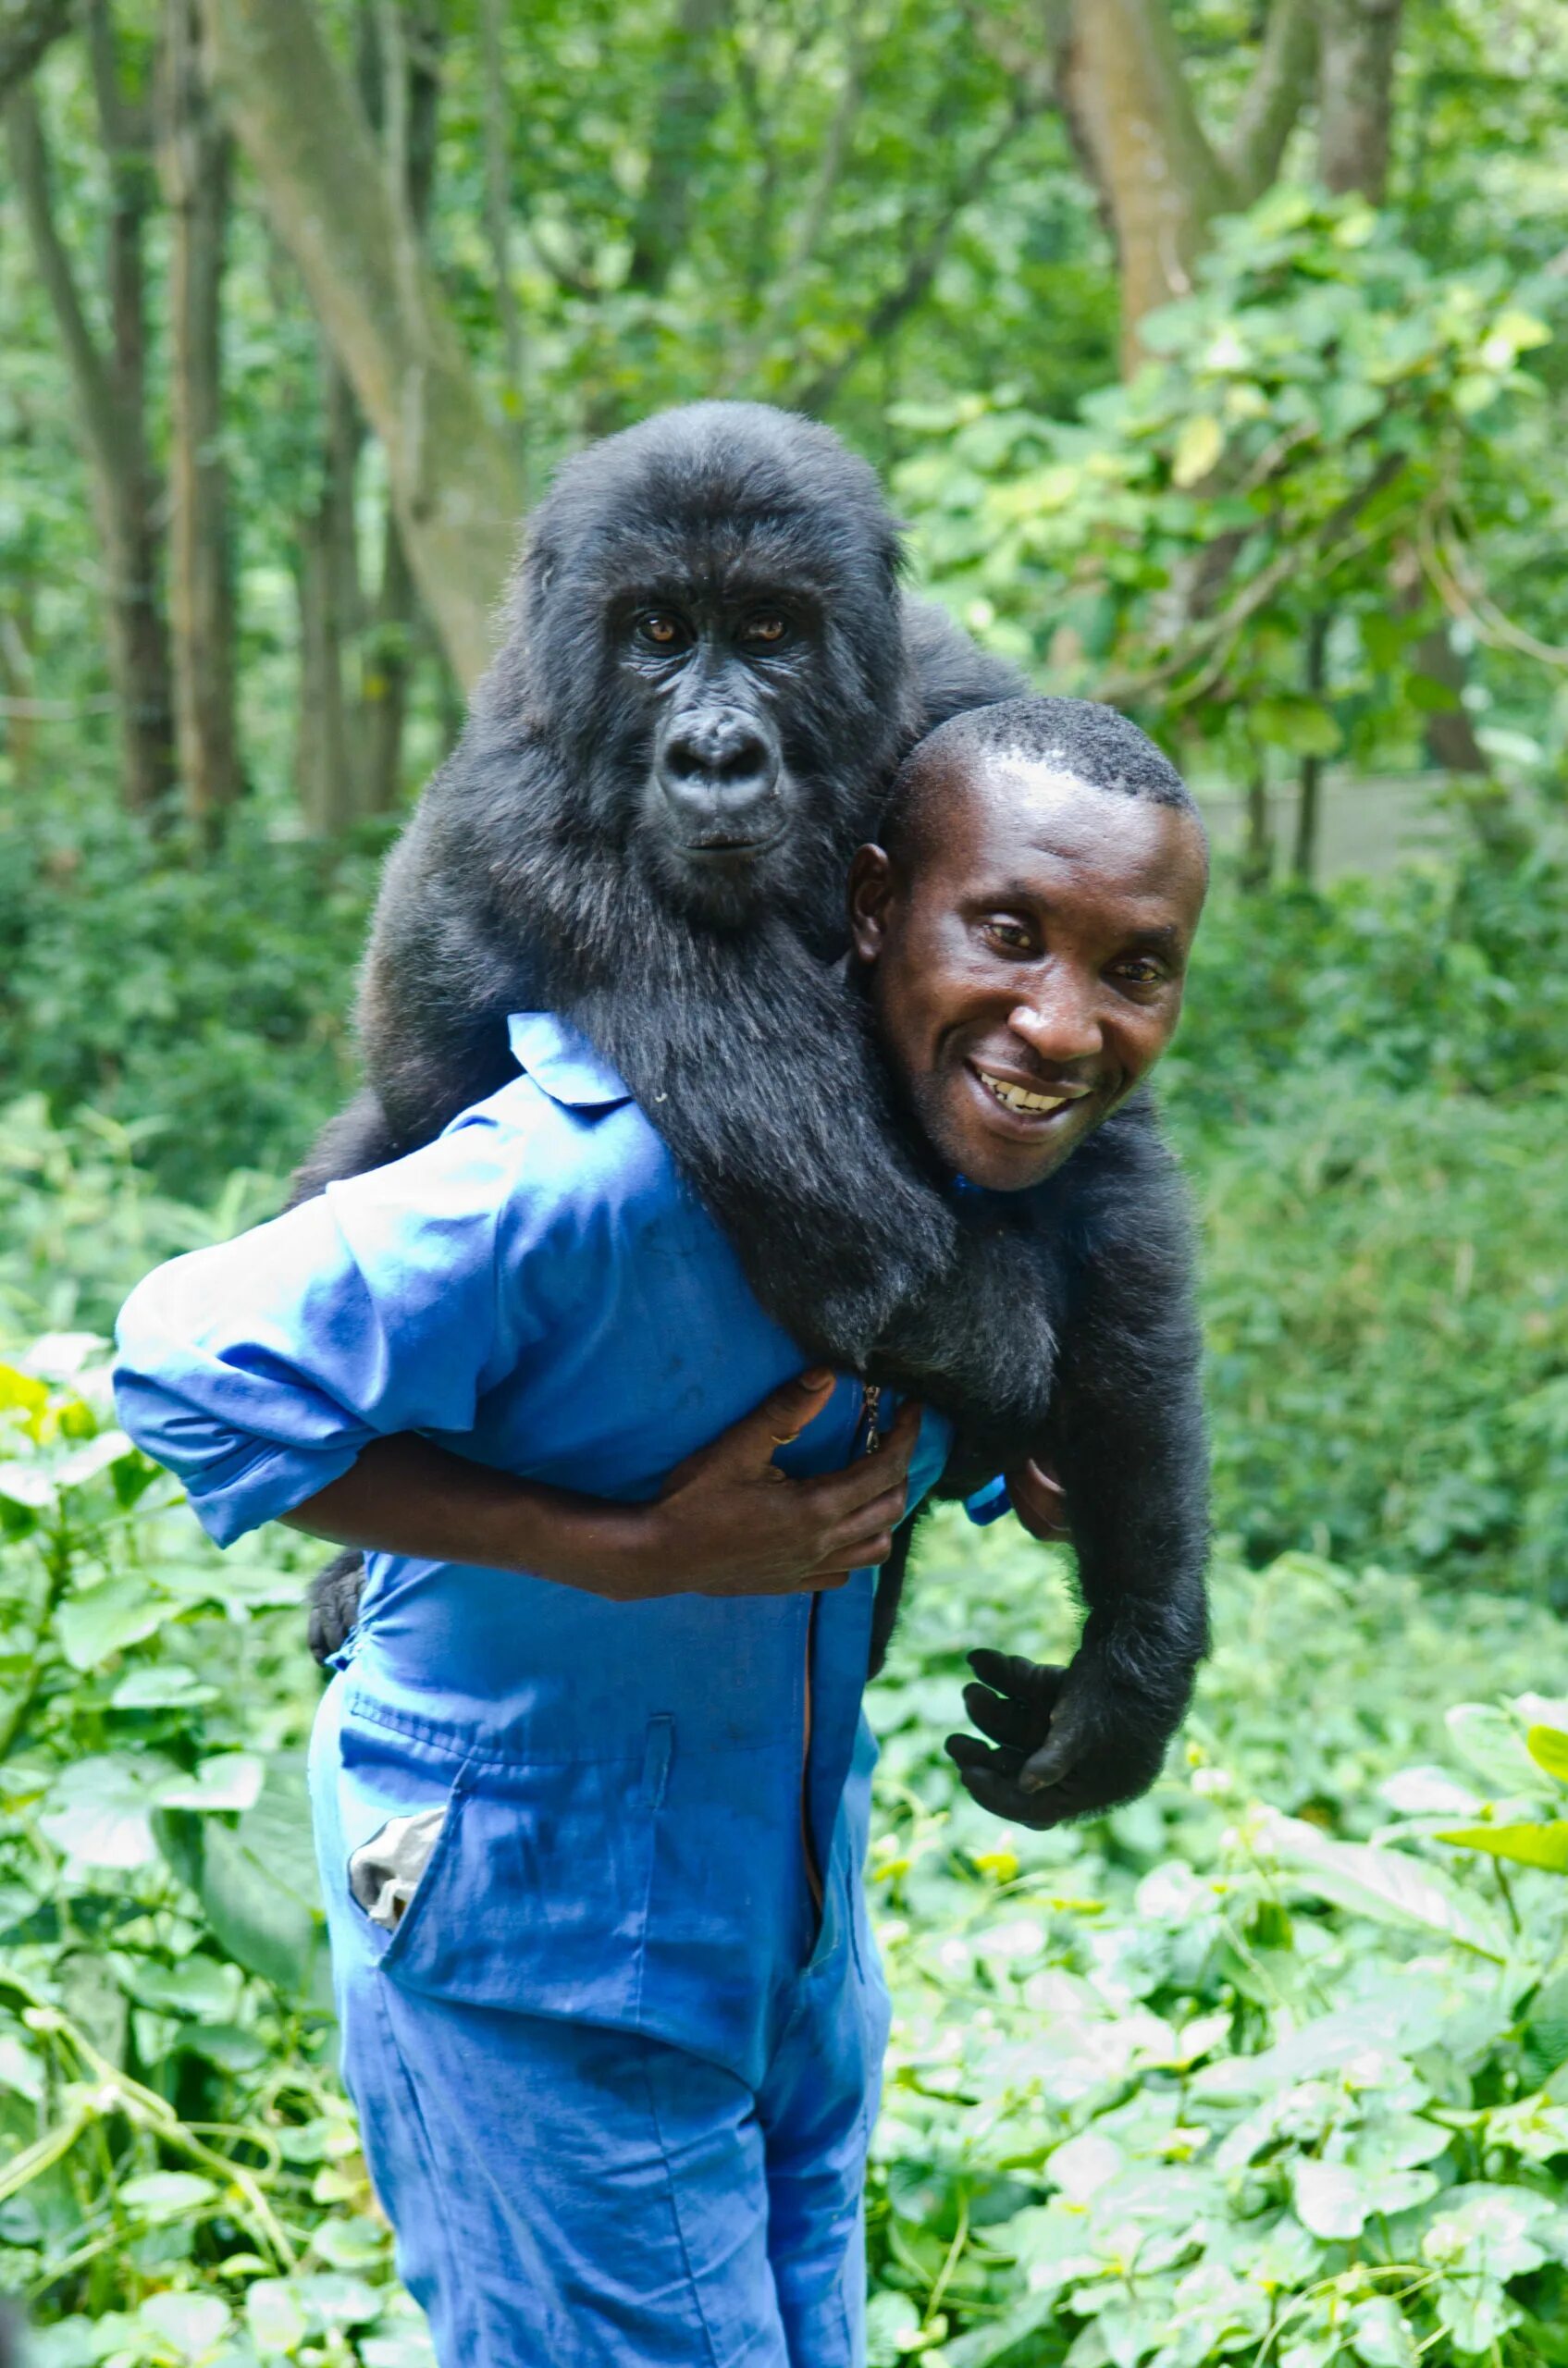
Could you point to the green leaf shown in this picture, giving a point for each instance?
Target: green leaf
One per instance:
(275, 2315)
(99, 1809)
(1547, 1746)
(163, 1686)
(94, 1626)
(1198, 447)
(255, 1913)
(191, 2324)
(161, 2195)
(231, 1780)
(1380, 2336)
(1388, 1885)
(1527, 1845)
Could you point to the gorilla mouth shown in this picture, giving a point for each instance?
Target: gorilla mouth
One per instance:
(730, 847)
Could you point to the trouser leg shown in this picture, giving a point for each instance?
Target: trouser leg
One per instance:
(562, 2195)
(817, 2107)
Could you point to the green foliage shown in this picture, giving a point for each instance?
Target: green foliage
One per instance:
(1212, 2079)
(1208, 2079)
(1369, 1089)
(1324, 417)
(213, 993)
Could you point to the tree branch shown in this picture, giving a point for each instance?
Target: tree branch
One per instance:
(89, 368)
(28, 28)
(924, 260)
(1359, 42)
(690, 97)
(1281, 83)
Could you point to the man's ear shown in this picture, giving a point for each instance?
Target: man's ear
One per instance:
(871, 893)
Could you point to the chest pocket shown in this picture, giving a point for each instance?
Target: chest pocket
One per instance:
(533, 1893)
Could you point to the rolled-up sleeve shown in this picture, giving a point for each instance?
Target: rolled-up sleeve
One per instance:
(257, 1370)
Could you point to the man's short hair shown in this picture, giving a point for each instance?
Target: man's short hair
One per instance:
(1096, 744)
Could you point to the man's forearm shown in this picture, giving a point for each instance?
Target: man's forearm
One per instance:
(404, 1496)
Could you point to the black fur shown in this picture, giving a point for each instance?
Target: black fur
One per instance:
(540, 871)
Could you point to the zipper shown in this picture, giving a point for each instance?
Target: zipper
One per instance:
(870, 1419)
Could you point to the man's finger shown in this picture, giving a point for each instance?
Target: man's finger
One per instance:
(785, 1412)
(883, 1512)
(833, 1498)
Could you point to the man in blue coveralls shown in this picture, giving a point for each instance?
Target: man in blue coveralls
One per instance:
(591, 1790)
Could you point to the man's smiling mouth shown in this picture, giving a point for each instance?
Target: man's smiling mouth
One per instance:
(1027, 1102)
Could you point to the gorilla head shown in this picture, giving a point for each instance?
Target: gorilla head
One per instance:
(708, 624)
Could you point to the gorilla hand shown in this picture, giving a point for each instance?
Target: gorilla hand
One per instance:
(1064, 1743)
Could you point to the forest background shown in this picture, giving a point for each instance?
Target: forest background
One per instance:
(1214, 354)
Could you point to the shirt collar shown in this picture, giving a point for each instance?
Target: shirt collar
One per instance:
(563, 1063)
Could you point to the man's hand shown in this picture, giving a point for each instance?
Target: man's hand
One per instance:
(1040, 1502)
(1064, 1743)
(728, 1521)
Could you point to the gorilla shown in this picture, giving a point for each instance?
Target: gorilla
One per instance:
(709, 674)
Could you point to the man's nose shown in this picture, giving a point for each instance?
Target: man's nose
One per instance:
(1060, 1022)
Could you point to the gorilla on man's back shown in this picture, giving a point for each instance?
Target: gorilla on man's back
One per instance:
(709, 676)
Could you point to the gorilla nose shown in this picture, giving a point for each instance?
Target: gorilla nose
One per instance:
(720, 773)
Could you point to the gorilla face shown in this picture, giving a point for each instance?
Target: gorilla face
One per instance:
(713, 641)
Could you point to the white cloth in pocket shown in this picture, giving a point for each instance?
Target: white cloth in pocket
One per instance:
(384, 1871)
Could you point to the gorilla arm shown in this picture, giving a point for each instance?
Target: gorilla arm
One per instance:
(1126, 1440)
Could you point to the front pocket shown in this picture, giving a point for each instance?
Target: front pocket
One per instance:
(534, 1895)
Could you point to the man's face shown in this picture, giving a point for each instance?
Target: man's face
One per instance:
(1029, 971)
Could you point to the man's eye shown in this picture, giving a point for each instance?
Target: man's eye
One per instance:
(1008, 937)
(1140, 971)
(766, 630)
(660, 630)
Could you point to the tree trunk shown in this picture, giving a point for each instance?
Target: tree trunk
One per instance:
(454, 476)
(1129, 107)
(1257, 838)
(387, 653)
(1127, 98)
(688, 100)
(497, 212)
(1309, 790)
(28, 28)
(331, 606)
(1359, 43)
(107, 394)
(195, 156)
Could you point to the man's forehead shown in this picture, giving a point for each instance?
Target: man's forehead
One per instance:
(1027, 815)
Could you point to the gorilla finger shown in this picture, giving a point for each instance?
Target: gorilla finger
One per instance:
(967, 1753)
(1004, 1720)
(1035, 1682)
(994, 1794)
(1071, 1735)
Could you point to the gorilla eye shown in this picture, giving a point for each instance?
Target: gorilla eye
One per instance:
(661, 630)
(766, 630)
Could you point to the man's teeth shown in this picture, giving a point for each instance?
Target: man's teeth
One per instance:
(1019, 1097)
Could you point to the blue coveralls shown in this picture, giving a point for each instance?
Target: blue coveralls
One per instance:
(616, 2065)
